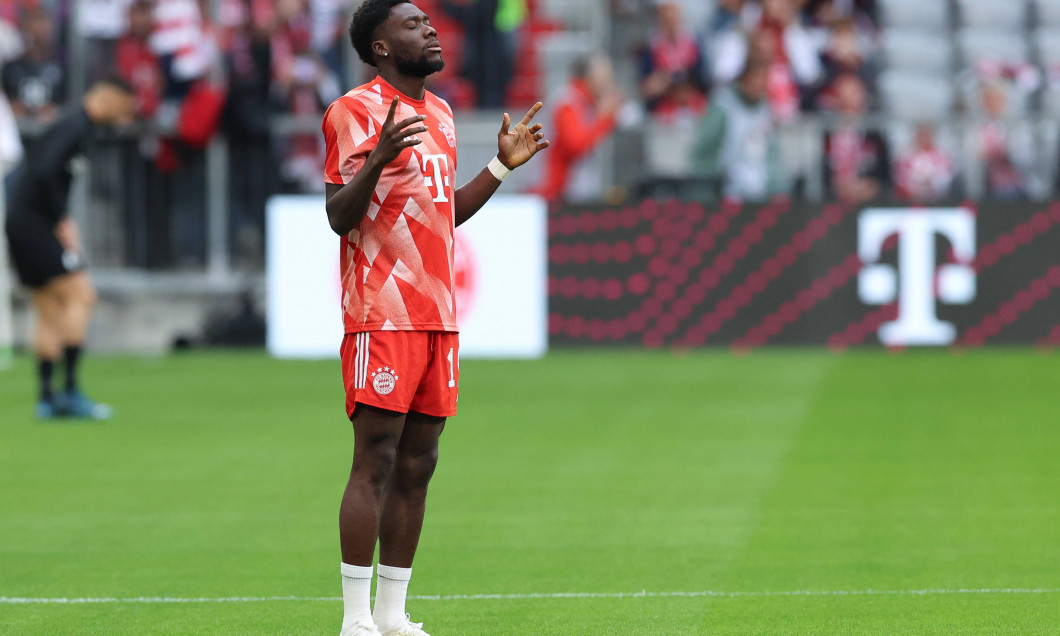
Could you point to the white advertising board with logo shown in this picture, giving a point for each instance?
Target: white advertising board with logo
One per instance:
(501, 280)
(918, 283)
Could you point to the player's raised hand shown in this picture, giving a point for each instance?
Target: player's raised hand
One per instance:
(517, 145)
(395, 137)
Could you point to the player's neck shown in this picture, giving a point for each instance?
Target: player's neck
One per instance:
(407, 85)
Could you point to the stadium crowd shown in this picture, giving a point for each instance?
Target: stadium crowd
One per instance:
(729, 79)
(736, 77)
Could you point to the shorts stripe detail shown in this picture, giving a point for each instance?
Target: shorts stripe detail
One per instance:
(358, 383)
(367, 357)
(360, 360)
(356, 360)
(361, 364)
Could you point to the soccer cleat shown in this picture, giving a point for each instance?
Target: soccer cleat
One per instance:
(77, 404)
(46, 410)
(406, 628)
(357, 628)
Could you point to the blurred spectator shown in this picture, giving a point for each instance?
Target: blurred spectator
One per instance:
(1006, 143)
(847, 52)
(1005, 157)
(137, 64)
(924, 173)
(735, 141)
(488, 51)
(247, 118)
(101, 23)
(857, 161)
(730, 16)
(188, 55)
(35, 82)
(511, 15)
(182, 43)
(304, 85)
(672, 67)
(249, 67)
(585, 117)
(328, 32)
(795, 64)
(827, 12)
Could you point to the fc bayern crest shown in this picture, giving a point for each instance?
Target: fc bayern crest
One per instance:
(450, 135)
(384, 380)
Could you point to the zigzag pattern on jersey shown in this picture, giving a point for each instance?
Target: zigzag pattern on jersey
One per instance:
(398, 265)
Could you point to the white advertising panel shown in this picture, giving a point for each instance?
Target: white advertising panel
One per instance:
(919, 283)
(501, 277)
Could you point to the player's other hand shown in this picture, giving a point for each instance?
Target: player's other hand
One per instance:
(395, 137)
(517, 145)
(68, 235)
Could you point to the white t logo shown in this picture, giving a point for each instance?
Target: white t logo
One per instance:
(438, 181)
(914, 284)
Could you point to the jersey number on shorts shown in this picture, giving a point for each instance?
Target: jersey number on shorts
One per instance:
(452, 380)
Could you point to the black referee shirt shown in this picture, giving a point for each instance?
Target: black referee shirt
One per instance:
(43, 187)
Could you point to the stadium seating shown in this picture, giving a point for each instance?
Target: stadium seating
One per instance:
(917, 49)
(1047, 42)
(995, 45)
(1048, 13)
(994, 14)
(916, 95)
(933, 15)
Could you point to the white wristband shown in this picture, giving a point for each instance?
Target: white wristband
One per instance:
(498, 169)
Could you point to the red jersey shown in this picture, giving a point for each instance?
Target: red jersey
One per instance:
(138, 66)
(397, 265)
(578, 129)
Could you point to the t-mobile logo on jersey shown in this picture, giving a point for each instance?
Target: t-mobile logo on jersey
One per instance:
(439, 181)
(913, 286)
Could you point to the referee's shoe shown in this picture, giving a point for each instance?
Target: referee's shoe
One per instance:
(73, 404)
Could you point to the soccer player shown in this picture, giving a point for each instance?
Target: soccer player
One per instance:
(46, 249)
(391, 197)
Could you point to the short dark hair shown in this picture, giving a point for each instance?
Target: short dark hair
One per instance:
(366, 20)
(114, 81)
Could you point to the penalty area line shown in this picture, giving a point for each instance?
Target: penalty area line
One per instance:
(16, 600)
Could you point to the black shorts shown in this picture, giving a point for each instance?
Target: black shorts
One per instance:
(37, 254)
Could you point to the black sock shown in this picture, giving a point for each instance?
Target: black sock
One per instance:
(44, 369)
(72, 354)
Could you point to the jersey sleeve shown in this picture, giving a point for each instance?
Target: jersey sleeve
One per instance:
(350, 135)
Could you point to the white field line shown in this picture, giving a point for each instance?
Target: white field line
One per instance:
(14, 600)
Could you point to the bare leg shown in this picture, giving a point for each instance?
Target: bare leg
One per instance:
(78, 298)
(376, 433)
(405, 498)
(48, 340)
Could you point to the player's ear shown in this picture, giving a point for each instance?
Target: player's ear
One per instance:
(380, 49)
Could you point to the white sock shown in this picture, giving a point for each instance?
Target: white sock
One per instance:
(356, 594)
(391, 588)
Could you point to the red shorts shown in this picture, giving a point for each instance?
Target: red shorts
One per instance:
(402, 371)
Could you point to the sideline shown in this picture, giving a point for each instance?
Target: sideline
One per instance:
(15, 600)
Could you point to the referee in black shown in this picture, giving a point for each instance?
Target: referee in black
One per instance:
(46, 248)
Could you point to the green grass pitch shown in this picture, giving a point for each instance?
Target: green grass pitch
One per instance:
(782, 492)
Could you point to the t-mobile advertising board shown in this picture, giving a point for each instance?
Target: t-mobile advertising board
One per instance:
(501, 271)
(667, 273)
